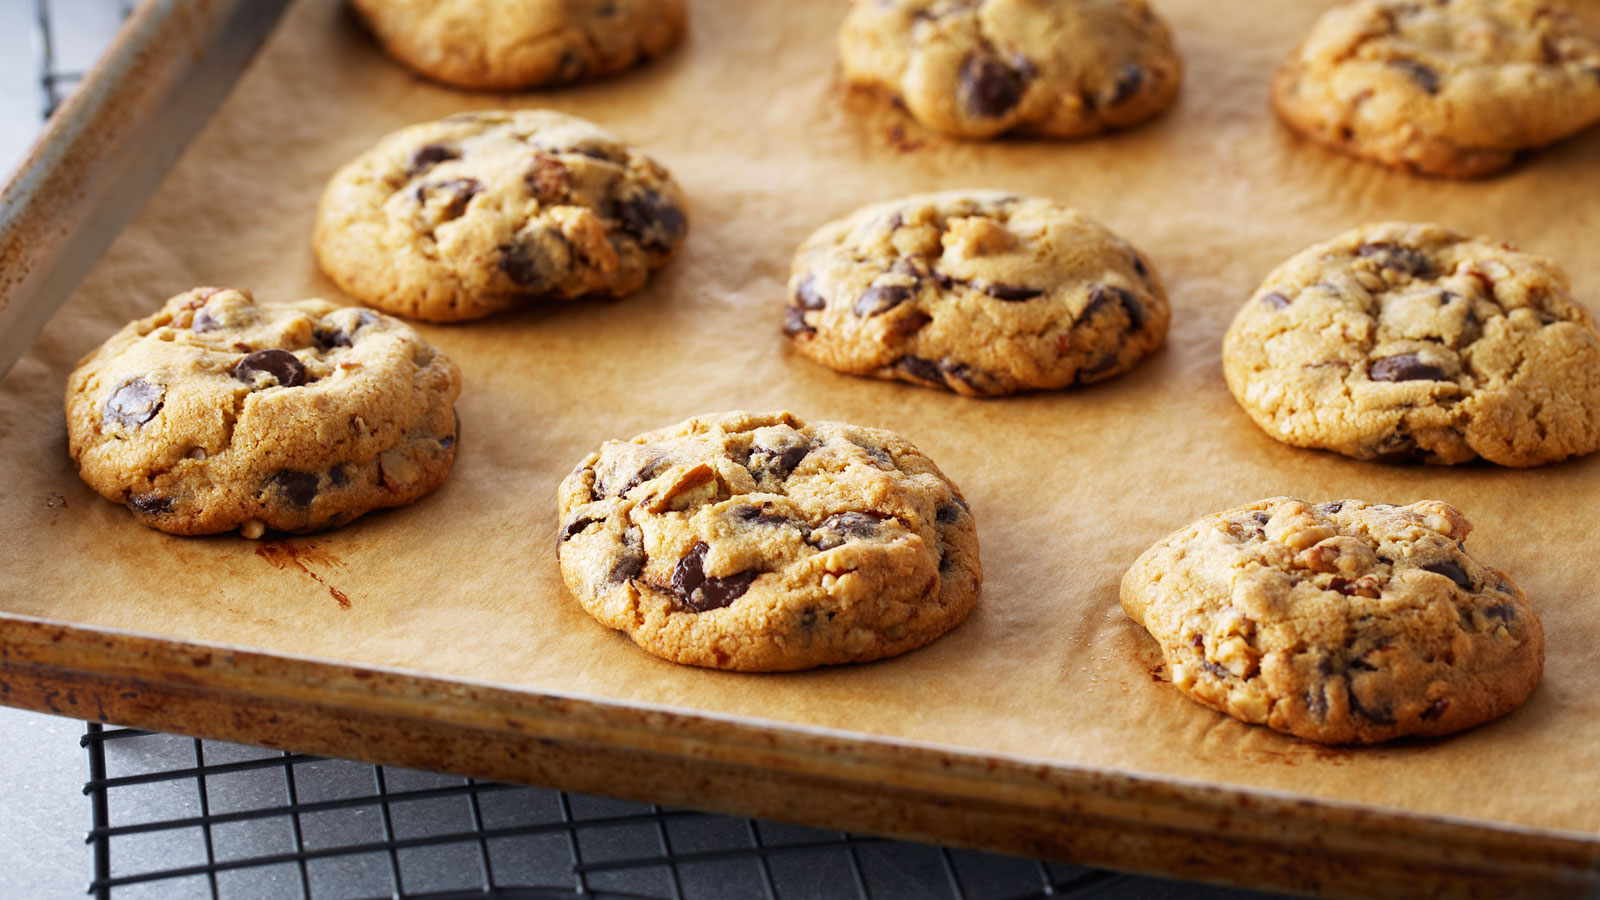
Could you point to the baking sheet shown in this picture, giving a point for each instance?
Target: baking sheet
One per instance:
(1067, 488)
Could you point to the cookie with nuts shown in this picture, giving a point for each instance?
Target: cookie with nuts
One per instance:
(1413, 342)
(764, 543)
(1442, 87)
(1342, 622)
(220, 413)
(485, 211)
(1057, 68)
(978, 292)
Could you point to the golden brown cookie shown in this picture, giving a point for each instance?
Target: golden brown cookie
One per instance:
(762, 543)
(1442, 87)
(1343, 622)
(219, 413)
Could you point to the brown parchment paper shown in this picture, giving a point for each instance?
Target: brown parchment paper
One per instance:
(1067, 487)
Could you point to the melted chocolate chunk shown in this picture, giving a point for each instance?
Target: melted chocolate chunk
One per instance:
(879, 299)
(1329, 509)
(547, 179)
(760, 516)
(1436, 709)
(629, 562)
(806, 295)
(1426, 77)
(701, 593)
(1405, 367)
(839, 528)
(338, 477)
(1396, 258)
(1317, 703)
(777, 462)
(990, 88)
(329, 338)
(151, 504)
(1215, 669)
(645, 473)
(794, 322)
(282, 365)
(1139, 266)
(202, 322)
(655, 221)
(536, 259)
(948, 514)
(429, 155)
(1380, 715)
(917, 367)
(1505, 612)
(1129, 79)
(458, 192)
(577, 525)
(1453, 571)
(1101, 295)
(133, 403)
(1012, 294)
(1277, 300)
(299, 488)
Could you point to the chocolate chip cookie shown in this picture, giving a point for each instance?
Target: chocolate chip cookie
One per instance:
(1400, 341)
(484, 211)
(1442, 87)
(1343, 622)
(510, 44)
(219, 413)
(760, 543)
(978, 292)
(978, 68)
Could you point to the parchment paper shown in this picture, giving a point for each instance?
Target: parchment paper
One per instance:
(1067, 487)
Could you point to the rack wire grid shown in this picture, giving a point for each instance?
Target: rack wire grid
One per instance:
(176, 817)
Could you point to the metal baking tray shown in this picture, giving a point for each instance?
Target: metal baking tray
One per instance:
(107, 150)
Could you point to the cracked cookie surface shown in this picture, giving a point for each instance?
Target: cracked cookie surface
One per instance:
(1404, 341)
(510, 44)
(219, 413)
(484, 211)
(977, 292)
(1344, 622)
(1442, 87)
(762, 543)
(978, 68)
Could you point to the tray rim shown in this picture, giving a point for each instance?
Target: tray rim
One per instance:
(1170, 825)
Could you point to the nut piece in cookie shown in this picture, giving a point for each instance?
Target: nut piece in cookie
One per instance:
(762, 543)
(1341, 622)
(1401, 341)
(978, 292)
(1059, 68)
(511, 44)
(218, 413)
(1442, 87)
(485, 211)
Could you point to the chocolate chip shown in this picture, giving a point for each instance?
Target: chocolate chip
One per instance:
(1129, 79)
(329, 338)
(1595, 71)
(1317, 703)
(1277, 300)
(133, 403)
(777, 462)
(648, 471)
(282, 365)
(806, 295)
(1426, 77)
(1100, 295)
(840, 528)
(547, 179)
(760, 516)
(879, 299)
(1505, 612)
(1436, 709)
(577, 525)
(1396, 258)
(1333, 508)
(700, 593)
(1404, 367)
(989, 87)
(151, 504)
(429, 155)
(1215, 669)
(1451, 570)
(458, 192)
(1012, 294)
(299, 488)
(1139, 266)
(655, 221)
(1380, 715)
(794, 322)
(920, 368)
(338, 477)
(202, 322)
(629, 562)
(948, 514)
(536, 258)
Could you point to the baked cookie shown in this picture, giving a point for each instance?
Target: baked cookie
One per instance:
(1343, 623)
(1400, 341)
(760, 543)
(978, 68)
(979, 292)
(218, 413)
(483, 211)
(510, 44)
(1442, 87)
